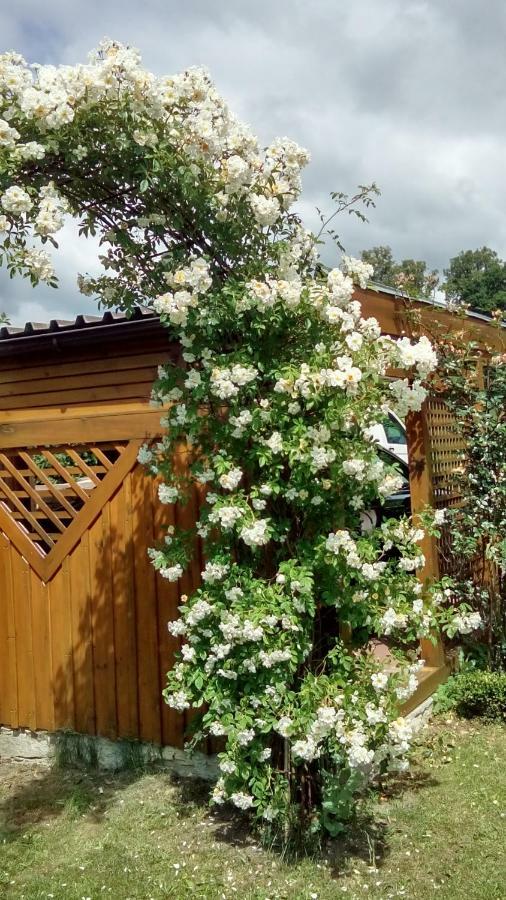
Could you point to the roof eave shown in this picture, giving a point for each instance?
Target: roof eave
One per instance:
(61, 338)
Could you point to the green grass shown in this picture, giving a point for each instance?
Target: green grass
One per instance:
(438, 832)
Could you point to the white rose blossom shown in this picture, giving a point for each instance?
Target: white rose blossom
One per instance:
(16, 201)
(172, 573)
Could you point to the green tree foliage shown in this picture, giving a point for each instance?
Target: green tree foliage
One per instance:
(477, 278)
(382, 260)
(410, 275)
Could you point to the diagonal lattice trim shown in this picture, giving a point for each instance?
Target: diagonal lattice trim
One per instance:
(48, 497)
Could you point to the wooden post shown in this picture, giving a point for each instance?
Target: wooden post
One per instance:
(422, 494)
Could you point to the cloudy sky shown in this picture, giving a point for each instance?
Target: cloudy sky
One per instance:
(407, 93)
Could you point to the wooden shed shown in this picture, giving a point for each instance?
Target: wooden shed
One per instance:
(83, 617)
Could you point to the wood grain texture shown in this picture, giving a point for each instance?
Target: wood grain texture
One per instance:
(421, 486)
(83, 632)
(8, 648)
(31, 429)
(125, 613)
(82, 637)
(85, 646)
(102, 624)
(168, 601)
(42, 651)
(21, 579)
(150, 722)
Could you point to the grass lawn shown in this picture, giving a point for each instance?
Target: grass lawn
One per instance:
(440, 832)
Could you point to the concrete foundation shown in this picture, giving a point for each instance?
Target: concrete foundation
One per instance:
(102, 753)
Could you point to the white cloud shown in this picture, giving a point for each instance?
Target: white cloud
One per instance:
(403, 92)
(22, 303)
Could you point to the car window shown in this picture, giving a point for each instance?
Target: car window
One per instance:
(394, 462)
(394, 431)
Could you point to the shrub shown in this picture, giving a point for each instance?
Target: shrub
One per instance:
(474, 693)
(270, 406)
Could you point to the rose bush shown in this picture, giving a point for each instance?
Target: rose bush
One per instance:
(280, 382)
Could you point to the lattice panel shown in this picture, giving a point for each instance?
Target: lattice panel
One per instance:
(44, 490)
(446, 455)
(446, 451)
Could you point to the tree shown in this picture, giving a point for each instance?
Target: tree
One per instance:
(4, 319)
(383, 263)
(279, 380)
(409, 275)
(477, 278)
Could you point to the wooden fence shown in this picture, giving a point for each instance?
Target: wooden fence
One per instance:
(84, 643)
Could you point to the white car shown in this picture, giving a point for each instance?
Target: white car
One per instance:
(391, 434)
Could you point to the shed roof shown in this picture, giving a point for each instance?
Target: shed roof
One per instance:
(84, 328)
(438, 304)
(58, 326)
(81, 330)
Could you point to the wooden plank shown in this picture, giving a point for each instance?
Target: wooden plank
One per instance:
(41, 639)
(102, 620)
(101, 457)
(5, 686)
(8, 667)
(56, 487)
(485, 334)
(31, 492)
(58, 384)
(26, 514)
(62, 649)
(147, 624)
(62, 397)
(167, 594)
(421, 488)
(86, 354)
(41, 475)
(124, 600)
(83, 466)
(82, 639)
(382, 307)
(428, 680)
(393, 314)
(24, 647)
(75, 429)
(185, 518)
(62, 472)
(21, 540)
(90, 410)
(92, 508)
(100, 365)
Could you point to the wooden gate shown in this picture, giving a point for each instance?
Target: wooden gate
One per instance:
(84, 643)
(83, 622)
